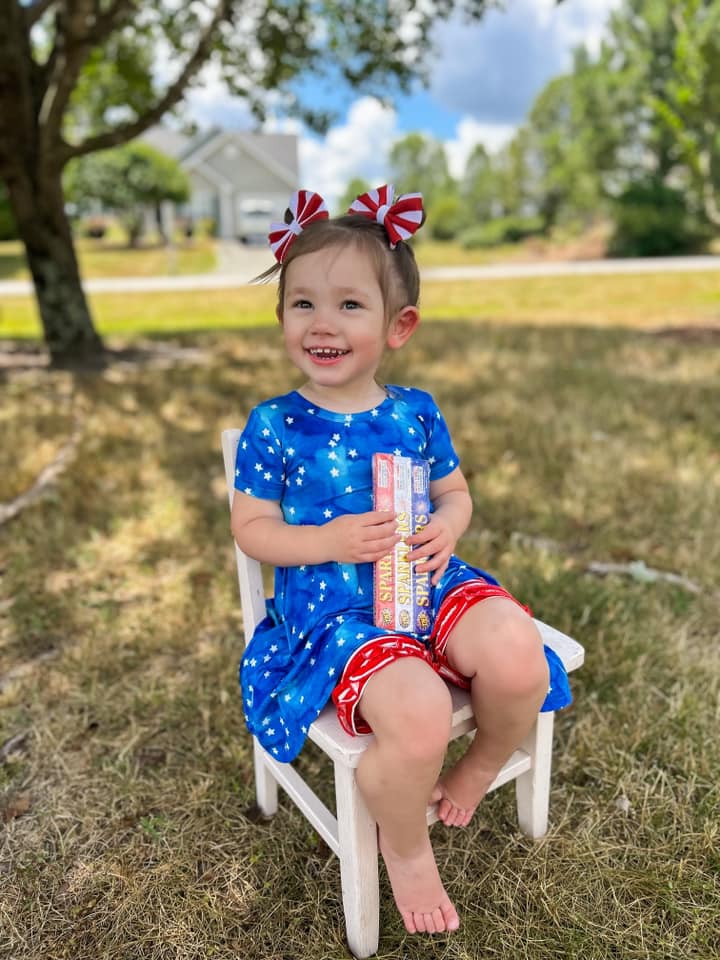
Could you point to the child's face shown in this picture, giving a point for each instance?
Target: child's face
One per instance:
(333, 317)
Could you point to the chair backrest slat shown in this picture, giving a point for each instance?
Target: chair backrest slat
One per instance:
(252, 592)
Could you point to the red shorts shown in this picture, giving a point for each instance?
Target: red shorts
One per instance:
(381, 651)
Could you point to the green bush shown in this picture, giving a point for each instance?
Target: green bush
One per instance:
(651, 220)
(207, 227)
(446, 218)
(501, 230)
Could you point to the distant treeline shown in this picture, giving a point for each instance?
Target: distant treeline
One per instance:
(631, 136)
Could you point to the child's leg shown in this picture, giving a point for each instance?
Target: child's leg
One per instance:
(498, 646)
(409, 709)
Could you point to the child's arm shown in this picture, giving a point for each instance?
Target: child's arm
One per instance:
(261, 532)
(452, 511)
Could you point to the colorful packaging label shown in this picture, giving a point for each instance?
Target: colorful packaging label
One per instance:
(402, 596)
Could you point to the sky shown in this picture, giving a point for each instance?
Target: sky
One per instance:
(483, 80)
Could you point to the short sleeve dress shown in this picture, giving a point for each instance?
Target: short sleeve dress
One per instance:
(317, 464)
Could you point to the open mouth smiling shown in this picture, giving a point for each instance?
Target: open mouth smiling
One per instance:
(326, 353)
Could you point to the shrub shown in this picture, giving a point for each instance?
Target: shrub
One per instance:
(446, 218)
(501, 230)
(94, 227)
(207, 227)
(651, 220)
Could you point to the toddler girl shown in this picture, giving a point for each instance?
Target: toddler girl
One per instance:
(348, 290)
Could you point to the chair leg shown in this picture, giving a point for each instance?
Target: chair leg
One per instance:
(266, 788)
(532, 789)
(358, 854)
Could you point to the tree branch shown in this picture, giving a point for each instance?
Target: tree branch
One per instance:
(69, 52)
(74, 41)
(173, 95)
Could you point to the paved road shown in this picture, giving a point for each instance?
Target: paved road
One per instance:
(249, 261)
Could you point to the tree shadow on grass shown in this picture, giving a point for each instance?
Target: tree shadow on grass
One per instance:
(129, 568)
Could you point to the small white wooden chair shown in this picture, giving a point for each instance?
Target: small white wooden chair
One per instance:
(351, 833)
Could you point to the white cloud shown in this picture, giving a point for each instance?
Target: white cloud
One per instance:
(493, 70)
(468, 134)
(358, 147)
(209, 103)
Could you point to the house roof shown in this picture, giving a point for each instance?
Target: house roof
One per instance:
(277, 152)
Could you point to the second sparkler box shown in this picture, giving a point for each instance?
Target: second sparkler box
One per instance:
(402, 596)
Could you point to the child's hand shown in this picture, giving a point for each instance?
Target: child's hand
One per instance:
(433, 545)
(360, 537)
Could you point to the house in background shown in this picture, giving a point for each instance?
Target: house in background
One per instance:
(239, 179)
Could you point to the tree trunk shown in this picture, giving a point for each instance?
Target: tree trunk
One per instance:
(38, 206)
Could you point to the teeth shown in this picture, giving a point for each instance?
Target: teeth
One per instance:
(327, 353)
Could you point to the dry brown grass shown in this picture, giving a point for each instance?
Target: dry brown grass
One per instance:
(126, 795)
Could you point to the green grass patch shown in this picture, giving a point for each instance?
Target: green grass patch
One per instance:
(127, 797)
(619, 300)
(103, 258)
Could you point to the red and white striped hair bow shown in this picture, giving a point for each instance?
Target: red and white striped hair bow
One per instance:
(305, 207)
(401, 219)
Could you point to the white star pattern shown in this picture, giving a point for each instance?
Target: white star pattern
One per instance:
(398, 424)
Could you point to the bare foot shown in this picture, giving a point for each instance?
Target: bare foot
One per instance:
(460, 790)
(419, 894)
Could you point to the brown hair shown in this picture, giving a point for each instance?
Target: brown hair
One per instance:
(396, 269)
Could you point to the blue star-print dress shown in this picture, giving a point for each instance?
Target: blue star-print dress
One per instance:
(318, 465)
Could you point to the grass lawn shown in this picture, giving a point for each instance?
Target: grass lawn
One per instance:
(586, 434)
(101, 258)
(640, 301)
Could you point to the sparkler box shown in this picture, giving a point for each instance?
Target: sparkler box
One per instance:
(402, 596)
